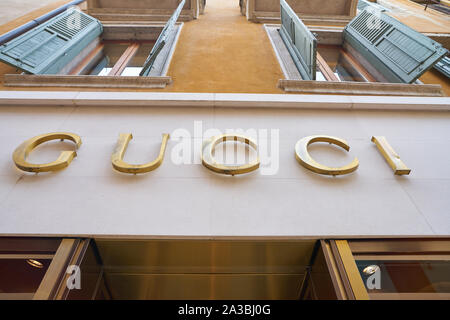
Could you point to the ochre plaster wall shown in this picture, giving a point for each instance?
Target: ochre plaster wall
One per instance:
(223, 52)
(219, 52)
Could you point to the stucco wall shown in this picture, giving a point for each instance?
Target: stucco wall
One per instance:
(13, 9)
(219, 52)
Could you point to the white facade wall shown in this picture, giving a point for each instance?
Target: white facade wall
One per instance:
(89, 198)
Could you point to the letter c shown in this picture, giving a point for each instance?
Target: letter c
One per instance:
(65, 158)
(303, 157)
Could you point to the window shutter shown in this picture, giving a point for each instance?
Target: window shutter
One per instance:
(398, 52)
(301, 43)
(47, 48)
(161, 41)
(443, 66)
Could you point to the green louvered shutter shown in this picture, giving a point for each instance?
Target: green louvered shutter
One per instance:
(398, 52)
(443, 66)
(165, 34)
(301, 43)
(47, 48)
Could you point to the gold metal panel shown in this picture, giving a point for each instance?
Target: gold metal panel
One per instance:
(400, 246)
(50, 282)
(391, 157)
(321, 283)
(203, 286)
(85, 257)
(205, 256)
(29, 245)
(122, 166)
(205, 269)
(357, 285)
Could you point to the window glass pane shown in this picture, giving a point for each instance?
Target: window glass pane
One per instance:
(399, 276)
(20, 278)
(103, 72)
(131, 72)
(319, 76)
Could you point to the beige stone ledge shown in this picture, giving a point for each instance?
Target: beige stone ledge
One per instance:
(80, 81)
(223, 100)
(361, 88)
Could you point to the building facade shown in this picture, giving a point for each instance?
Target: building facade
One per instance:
(230, 149)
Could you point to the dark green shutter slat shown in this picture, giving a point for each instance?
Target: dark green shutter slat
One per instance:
(301, 43)
(61, 25)
(47, 48)
(398, 52)
(359, 24)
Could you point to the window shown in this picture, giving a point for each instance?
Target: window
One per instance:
(145, 11)
(36, 268)
(48, 48)
(31, 271)
(342, 65)
(119, 58)
(93, 54)
(395, 52)
(379, 269)
(406, 269)
(373, 47)
(326, 12)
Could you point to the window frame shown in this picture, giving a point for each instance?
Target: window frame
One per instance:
(402, 250)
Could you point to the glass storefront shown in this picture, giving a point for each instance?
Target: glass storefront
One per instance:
(249, 269)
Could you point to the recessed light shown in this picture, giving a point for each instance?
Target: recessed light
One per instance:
(369, 270)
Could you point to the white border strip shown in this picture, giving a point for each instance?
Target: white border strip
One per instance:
(224, 100)
(277, 54)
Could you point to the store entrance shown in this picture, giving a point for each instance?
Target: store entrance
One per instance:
(223, 269)
(206, 269)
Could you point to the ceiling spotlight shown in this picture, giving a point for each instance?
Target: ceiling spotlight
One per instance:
(369, 270)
